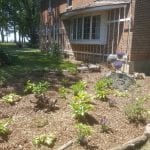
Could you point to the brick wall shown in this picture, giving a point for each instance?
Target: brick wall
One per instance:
(140, 48)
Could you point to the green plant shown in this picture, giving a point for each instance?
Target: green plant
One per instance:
(36, 88)
(118, 93)
(136, 111)
(102, 88)
(103, 84)
(11, 98)
(102, 94)
(63, 92)
(4, 130)
(78, 86)
(81, 105)
(47, 140)
(83, 131)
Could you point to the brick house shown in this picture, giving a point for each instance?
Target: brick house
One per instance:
(90, 30)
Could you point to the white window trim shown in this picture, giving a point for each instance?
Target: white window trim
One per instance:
(103, 31)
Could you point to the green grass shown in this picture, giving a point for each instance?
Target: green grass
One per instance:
(26, 60)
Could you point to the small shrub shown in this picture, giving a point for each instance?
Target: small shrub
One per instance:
(63, 92)
(11, 98)
(47, 140)
(36, 88)
(104, 123)
(83, 131)
(81, 105)
(79, 86)
(136, 111)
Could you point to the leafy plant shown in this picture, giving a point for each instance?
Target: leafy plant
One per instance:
(102, 95)
(11, 98)
(103, 84)
(104, 123)
(79, 86)
(118, 93)
(136, 111)
(83, 131)
(4, 130)
(63, 92)
(47, 140)
(36, 88)
(81, 105)
(102, 88)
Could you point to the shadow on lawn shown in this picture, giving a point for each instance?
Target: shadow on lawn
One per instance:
(31, 64)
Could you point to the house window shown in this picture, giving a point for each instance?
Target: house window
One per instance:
(96, 27)
(79, 28)
(86, 28)
(74, 28)
(86, 33)
(69, 2)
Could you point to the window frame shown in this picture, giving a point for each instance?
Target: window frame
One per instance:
(82, 40)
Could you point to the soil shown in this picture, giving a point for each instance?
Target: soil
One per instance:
(60, 122)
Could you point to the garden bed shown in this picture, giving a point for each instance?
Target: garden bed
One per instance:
(26, 120)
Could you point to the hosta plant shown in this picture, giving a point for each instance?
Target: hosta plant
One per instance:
(4, 130)
(102, 88)
(47, 140)
(79, 86)
(83, 131)
(11, 98)
(81, 105)
(36, 88)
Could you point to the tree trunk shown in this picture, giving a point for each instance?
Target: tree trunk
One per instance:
(2, 35)
(15, 33)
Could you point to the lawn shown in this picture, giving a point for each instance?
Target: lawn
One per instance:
(26, 60)
(46, 103)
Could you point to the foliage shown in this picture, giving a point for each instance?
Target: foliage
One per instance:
(78, 86)
(104, 123)
(102, 87)
(36, 88)
(56, 51)
(4, 130)
(103, 83)
(118, 93)
(83, 131)
(135, 111)
(81, 105)
(11, 98)
(63, 92)
(47, 140)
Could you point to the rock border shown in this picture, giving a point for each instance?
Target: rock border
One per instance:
(139, 141)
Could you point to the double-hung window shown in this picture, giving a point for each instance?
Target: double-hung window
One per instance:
(86, 28)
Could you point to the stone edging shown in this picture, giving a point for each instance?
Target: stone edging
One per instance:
(139, 141)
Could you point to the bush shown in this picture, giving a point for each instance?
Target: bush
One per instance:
(104, 123)
(63, 92)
